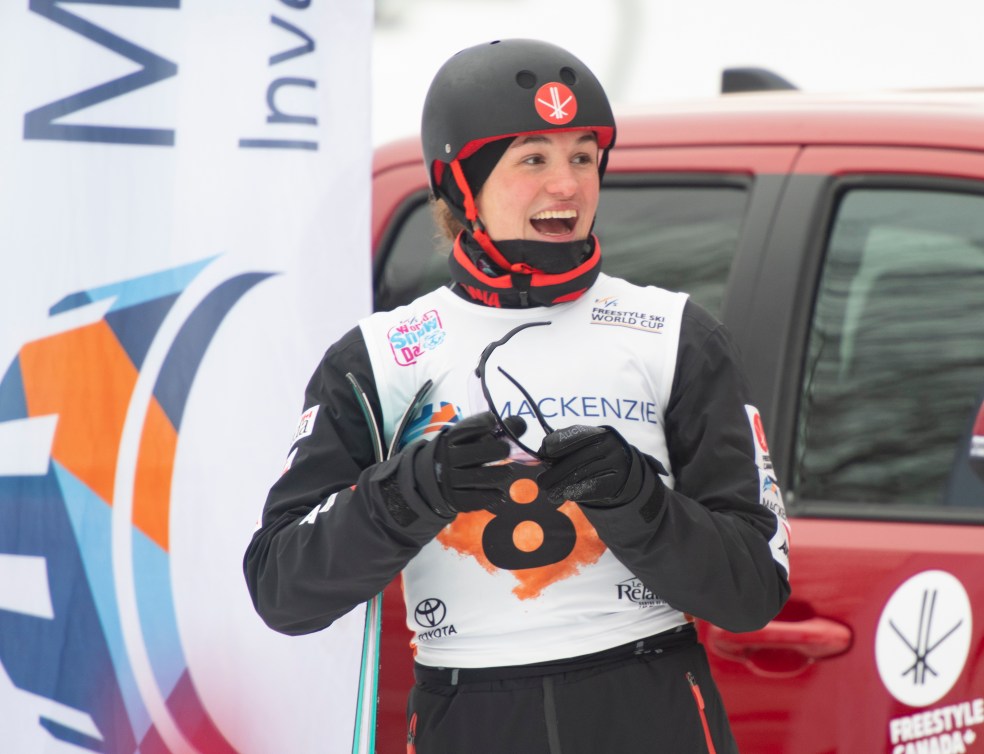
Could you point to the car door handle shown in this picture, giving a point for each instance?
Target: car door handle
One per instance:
(782, 647)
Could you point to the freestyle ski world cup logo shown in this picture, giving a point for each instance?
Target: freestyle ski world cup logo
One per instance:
(86, 414)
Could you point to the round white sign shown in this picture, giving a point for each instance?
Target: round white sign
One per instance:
(923, 638)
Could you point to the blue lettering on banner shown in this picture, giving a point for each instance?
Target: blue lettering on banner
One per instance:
(305, 48)
(40, 122)
(587, 406)
(276, 114)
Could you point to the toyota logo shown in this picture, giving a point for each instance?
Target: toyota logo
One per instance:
(430, 613)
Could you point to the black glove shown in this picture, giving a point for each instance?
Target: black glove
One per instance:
(590, 465)
(450, 471)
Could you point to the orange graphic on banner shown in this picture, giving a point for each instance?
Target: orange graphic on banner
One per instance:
(155, 467)
(86, 378)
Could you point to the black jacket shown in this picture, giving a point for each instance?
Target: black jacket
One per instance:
(706, 551)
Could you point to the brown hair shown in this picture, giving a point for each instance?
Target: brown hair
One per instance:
(448, 226)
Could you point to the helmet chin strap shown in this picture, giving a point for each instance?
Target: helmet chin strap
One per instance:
(474, 225)
(516, 273)
(519, 256)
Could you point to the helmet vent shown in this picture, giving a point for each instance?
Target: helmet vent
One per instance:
(568, 76)
(526, 79)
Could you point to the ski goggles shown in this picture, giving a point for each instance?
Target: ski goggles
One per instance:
(480, 373)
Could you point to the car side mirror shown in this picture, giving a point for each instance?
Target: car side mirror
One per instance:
(976, 449)
(965, 485)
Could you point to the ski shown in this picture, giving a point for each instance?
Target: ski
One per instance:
(364, 737)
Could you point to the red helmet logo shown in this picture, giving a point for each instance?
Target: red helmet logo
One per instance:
(555, 103)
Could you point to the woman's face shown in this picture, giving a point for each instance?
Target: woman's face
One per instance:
(544, 188)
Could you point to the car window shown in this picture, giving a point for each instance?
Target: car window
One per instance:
(679, 237)
(413, 258)
(682, 238)
(895, 362)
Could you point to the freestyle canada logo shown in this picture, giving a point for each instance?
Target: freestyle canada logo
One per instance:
(81, 411)
(921, 648)
(945, 730)
(413, 338)
(923, 638)
(555, 103)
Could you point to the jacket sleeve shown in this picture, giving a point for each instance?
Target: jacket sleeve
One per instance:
(716, 545)
(336, 527)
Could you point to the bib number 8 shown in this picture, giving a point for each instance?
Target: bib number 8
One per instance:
(528, 532)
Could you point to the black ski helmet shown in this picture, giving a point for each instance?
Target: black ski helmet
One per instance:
(501, 89)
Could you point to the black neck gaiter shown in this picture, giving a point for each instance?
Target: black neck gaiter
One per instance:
(542, 273)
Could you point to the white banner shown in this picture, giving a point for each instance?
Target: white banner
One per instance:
(184, 215)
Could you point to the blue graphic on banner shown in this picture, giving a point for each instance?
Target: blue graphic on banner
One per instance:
(61, 633)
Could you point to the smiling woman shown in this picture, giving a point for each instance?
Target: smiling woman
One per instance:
(545, 188)
(520, 538)
(527, 237)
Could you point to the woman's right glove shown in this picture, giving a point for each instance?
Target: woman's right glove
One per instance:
(457, 471)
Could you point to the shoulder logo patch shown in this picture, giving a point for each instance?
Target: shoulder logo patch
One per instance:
(305, 425)
(769, 493)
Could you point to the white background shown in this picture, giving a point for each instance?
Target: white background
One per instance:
(646, 51)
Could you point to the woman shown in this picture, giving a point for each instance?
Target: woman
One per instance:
(552, 568)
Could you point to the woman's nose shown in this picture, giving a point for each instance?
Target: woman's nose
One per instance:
(561, 181)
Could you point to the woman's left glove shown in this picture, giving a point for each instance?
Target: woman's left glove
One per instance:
(594, 466)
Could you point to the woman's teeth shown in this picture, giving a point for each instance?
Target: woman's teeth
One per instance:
(554, 222)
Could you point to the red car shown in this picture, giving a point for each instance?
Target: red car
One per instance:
(842, 242)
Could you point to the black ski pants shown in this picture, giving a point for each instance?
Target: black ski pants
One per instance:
(654, 699)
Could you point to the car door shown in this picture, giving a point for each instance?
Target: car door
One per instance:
(863, 334)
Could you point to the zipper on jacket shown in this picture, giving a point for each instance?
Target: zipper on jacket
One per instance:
(699, 699)
(412, 735)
